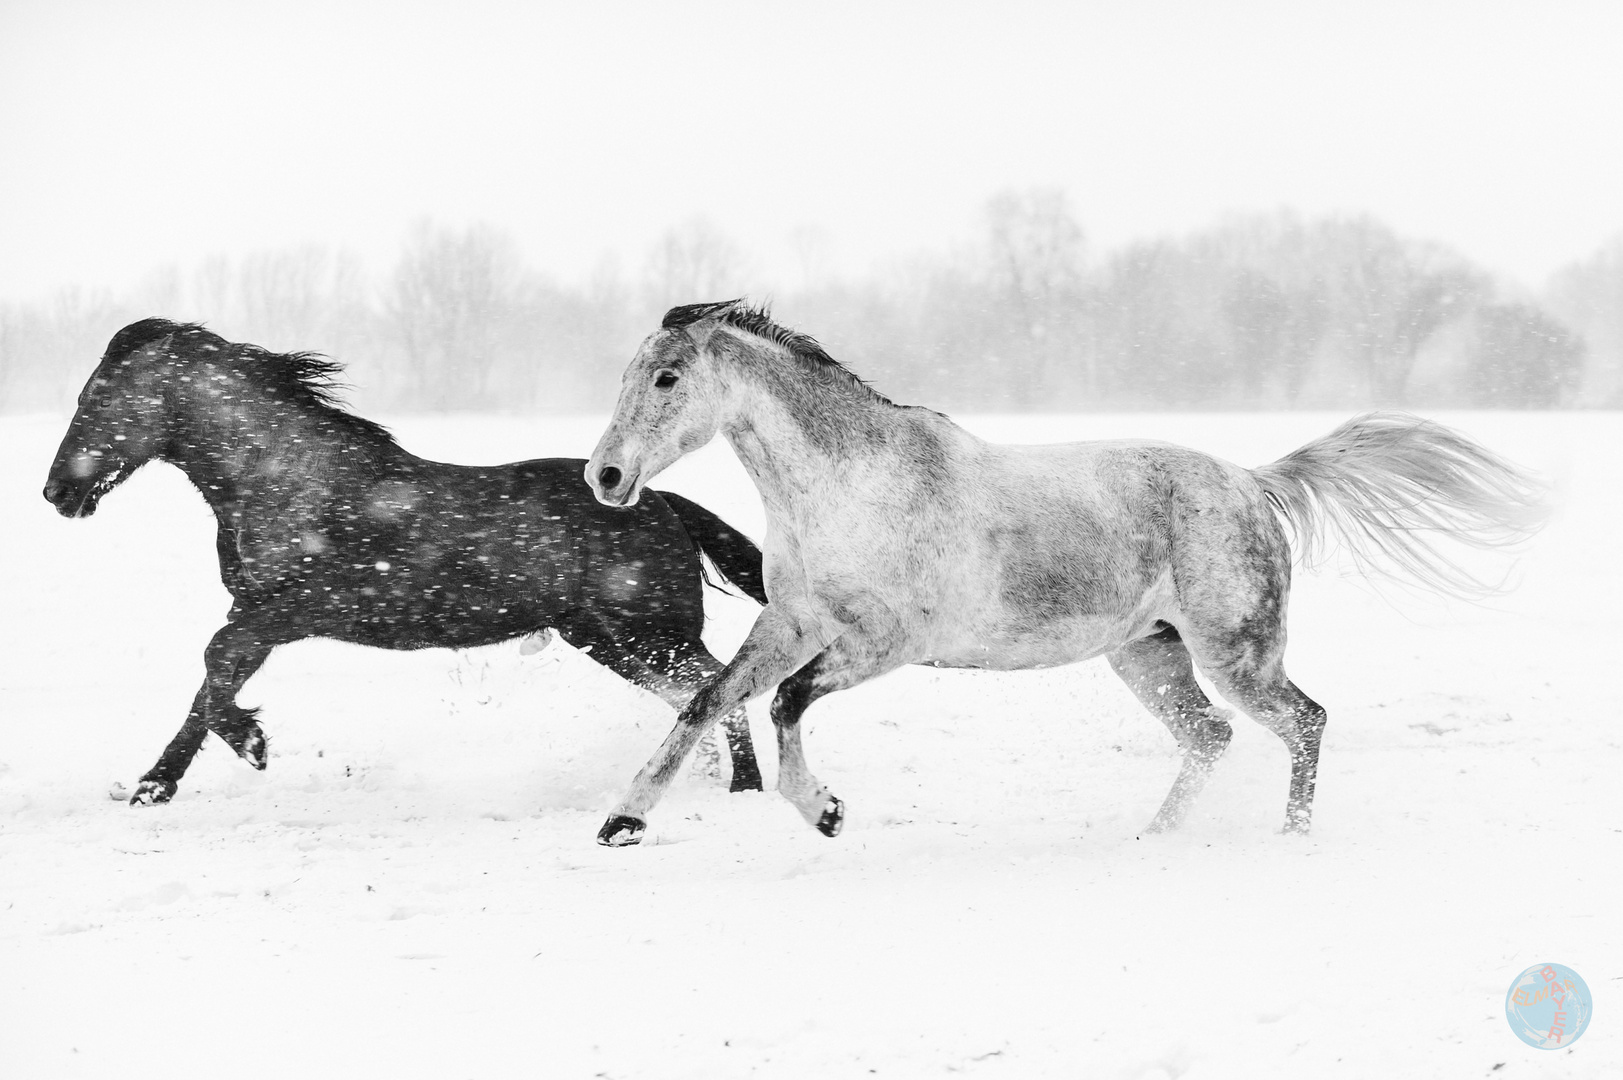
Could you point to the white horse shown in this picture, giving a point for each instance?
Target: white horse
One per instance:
(896, 537)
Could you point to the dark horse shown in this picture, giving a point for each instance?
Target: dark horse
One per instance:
(327, 528)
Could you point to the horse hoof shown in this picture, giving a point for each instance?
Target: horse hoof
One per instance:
(621, 830)
(833, 818)
(251, 747)
(153, 792)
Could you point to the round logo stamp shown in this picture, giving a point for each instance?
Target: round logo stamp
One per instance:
(1548, 1006)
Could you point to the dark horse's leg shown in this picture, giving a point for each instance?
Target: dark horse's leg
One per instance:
(1158, 670)
(236, 651)
(675, 674)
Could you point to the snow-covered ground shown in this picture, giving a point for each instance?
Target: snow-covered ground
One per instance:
(412, 888)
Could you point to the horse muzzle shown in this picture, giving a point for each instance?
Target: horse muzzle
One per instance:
(74, 498)
(612, 486)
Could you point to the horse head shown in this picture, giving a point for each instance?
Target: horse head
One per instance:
(670, 405)
(123, 420)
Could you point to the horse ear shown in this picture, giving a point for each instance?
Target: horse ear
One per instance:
(688, 314)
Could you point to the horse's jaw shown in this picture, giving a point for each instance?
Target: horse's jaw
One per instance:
(72, 502)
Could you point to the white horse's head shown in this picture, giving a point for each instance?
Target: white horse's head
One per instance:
(671, 399)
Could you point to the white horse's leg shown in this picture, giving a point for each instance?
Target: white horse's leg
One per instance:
(774, 648)
(1249, 670)
(1233, 575)
(1273, 701)
(844, 664)
(674, 675)
(1158, 670)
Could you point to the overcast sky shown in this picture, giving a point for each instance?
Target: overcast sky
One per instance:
(138, 135)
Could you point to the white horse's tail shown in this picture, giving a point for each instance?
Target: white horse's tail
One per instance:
(1387, 484)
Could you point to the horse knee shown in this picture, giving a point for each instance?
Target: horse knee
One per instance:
(1212, 731)
(1205, 732)
(794, 696)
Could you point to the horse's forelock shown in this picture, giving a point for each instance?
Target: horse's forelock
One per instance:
(688, 314)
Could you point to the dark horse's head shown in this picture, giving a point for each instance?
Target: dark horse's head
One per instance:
(125, 417)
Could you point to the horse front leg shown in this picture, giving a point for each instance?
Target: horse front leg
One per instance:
(159, 783)
(234, 654)
(674, 675)
(854, 658)
(776, 646)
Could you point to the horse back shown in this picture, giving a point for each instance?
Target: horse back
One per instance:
(415, 552)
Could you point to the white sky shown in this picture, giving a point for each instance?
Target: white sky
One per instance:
(139, 135)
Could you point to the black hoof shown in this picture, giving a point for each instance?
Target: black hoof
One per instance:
(250, 744)
(621, 830)
(833, 818)
(153, 792)
(745, 779)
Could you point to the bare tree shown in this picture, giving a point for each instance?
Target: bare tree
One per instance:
(693, 263)
(290, 299)
(1523, 358)
(1034, 253)
(1588, 298)
(450, 302)
(1391, 297)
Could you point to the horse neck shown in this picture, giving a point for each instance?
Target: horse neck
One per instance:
(792, 428)
(227, 448)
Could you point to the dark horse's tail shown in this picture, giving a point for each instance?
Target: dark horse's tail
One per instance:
(1387, 483)
(733, 553)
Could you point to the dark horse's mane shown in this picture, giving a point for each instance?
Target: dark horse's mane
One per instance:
(806, 350)
(307, 378)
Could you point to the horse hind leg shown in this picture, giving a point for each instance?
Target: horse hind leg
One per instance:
(674, 675)
(1251, 674)
(1158, 670)
(1280, 706)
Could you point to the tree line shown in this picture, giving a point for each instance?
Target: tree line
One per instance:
(1258, 312)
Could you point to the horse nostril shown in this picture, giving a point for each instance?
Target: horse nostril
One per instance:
(53, 491)
(609, 478)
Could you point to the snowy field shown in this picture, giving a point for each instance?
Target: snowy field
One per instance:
(412, 888)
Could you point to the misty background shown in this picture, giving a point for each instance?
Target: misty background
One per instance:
(1039, 207)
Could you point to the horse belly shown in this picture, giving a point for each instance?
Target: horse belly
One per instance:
(1004, 637)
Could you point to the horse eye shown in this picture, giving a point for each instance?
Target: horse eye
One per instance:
(665, 380)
